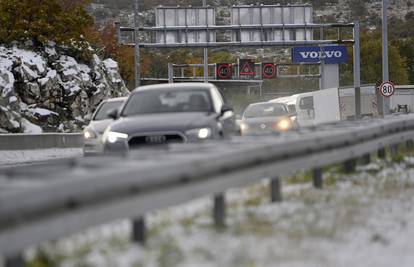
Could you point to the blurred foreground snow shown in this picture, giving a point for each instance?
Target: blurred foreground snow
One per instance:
(365, 219)
(18, 157)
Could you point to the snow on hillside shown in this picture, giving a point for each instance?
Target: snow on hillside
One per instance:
(50, 90)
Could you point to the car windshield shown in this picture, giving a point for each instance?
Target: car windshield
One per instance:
(102, 113)
(265, 110)
(164, 101)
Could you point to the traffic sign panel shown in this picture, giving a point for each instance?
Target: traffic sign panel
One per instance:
(336, 54)
(269, 70)
(387, 89)
(224, 71)
(247, 67)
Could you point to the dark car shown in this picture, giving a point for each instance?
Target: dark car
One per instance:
(170, 113)
(100, 120)
(267, 117)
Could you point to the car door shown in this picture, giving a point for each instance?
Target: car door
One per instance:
(305, 110)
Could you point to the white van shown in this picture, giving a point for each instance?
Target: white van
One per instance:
(315, 107)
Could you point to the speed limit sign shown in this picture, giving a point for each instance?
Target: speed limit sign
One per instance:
(387, 89)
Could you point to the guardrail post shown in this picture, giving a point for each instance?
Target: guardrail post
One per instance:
(350, 166)
(409, 145)
(170, 73)
(14, 261)
(366, 159)
(394, 151)
(381, 153)
(219, 211)
(275, 190)
(139, 230)
(318, 178)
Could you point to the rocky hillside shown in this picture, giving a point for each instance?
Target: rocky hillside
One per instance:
(327, 10)
(50, 91)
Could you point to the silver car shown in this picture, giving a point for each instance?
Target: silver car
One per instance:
(158, 115)
(100, 120)
(266, 117)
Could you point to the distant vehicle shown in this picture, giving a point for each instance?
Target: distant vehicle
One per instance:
(403, 99)
(170, 113)
(267, 117)
(315, 107)
(100, 120)
(290, 102)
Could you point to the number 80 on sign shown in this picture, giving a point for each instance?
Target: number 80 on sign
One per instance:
(387, 89)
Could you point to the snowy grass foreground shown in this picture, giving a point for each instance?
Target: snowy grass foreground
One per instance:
(16, 157)
(365, 219)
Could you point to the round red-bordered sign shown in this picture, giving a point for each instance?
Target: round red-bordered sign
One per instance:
(387, 89)
(224, 71)
(269, 70)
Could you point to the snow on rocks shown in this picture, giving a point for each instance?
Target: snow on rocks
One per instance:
(112, 70)
(30, 127)
(9, 120)
(49, 78)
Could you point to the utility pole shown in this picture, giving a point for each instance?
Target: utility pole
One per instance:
(206, 49)
(322, 81)
(137, 50)
(357, 70)
(385, 70)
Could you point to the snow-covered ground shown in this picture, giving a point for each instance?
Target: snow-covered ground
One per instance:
(17, 157)
(365, 219)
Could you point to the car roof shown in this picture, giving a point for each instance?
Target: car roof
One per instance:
(284, 99)
(180, 86)
(116, 99)
(266, 103)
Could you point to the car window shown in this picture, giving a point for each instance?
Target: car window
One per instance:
(306, 103)
(265, 110)
(217, 99)
(102, 112)
(165, 101)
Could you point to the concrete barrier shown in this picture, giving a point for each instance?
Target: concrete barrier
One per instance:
(40, 141)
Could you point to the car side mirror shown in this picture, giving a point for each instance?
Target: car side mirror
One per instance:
(226, 108)
(113, 114)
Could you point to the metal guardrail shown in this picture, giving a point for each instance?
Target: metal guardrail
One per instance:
(39, 141)
(68, 197)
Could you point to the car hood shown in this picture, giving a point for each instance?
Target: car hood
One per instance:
(262, 120)
(163, 122)
(100, 126)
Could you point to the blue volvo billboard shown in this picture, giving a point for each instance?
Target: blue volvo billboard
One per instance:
(313, 54)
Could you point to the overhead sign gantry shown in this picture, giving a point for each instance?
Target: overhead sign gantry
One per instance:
(255, 26)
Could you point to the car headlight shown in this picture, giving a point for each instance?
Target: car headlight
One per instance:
(201, 133)
(89, 134)
(244, 127)
(113, 137)
(284, 125)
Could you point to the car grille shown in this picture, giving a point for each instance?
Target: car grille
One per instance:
(263, 126)
(155, 140)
